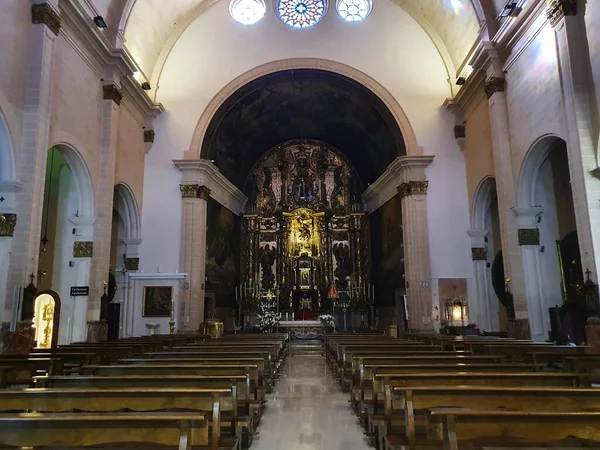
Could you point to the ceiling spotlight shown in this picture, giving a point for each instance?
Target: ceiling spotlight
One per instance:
(146, 86)
(460, 81)
(510, 10)
(99, 21)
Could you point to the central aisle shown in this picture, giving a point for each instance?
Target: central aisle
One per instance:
(308, 411)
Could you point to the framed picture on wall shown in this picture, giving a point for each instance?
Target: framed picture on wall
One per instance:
(157, 301)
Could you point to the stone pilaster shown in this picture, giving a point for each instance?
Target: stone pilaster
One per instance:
(34, 149)
(480, 308)
(567, 18)
(125, 291)
(413, 193)
(104, 196)
(529, 242)
(505, 181)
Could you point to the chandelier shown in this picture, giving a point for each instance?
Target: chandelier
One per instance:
(299, 14)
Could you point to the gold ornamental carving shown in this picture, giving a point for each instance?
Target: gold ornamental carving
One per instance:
(83, 249)
(112, 92)
(407, 188)
(188, 190)
(493, 85)
(557, 9)
(7, 224)
(43, 13)
(529, 236)
(203, 192)
(479, 253)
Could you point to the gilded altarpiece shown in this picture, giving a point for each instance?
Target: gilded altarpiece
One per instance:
(304, 228)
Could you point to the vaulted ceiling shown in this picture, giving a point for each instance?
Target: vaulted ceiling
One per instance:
(152, 27)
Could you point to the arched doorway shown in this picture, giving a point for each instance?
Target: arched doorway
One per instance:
(7, 212)
(545, 202)
(125, 232)
(66, 245)
(489, 313)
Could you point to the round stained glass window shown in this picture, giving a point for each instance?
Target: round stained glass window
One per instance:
(354, 10)
(301, 13)
(247, 11)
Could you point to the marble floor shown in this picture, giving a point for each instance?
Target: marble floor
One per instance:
(307, 411)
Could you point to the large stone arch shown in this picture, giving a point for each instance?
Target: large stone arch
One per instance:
(127, 206)
(410, 139)
(7, 160)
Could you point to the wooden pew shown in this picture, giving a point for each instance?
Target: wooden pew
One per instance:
(412, 400)
(133, 399)
(460, 428)
(6, 372)
(24, 368)
(181, 429)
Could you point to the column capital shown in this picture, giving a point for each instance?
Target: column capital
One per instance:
(557, 9)
(83, 249)
(203, 192)
(131, 264)
(44, 13)
(189, 190)
(479, 253)
(407, 188)
(112, 92)
(478, 238)
(529, 236)
(494, 84)
(528, 217)
(149, 136)
(7, 224)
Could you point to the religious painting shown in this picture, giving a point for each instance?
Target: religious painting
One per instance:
(222, 262)
(387, 251)
(157, 301)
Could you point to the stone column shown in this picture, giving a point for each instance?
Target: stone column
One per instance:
(193, 253)
(505, 182)
(31, 171)
(480, 309)
(567, 18)
(131, 264)
(413, 194)
(529, 241)
(104, 196)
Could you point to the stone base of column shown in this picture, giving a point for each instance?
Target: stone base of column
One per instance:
(19, 342)
(592, 331)
(518, 329)
(97, 331)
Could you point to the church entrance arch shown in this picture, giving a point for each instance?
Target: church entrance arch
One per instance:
(66, 245)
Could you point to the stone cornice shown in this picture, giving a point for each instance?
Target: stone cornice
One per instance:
(403, 168)
(44, 13)
(557, 9)
(101, 54)
(204, 173)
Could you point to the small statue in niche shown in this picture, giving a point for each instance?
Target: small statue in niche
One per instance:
(341, 252)
(267, 258)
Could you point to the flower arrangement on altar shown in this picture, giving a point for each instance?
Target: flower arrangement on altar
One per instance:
(268, 320)
(327, 320)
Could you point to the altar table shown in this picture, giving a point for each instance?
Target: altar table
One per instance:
(303, 329)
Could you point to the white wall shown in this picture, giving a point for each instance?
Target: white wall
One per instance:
(389, 47)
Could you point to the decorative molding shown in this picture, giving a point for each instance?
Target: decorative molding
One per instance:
(203, 192)
(459, 131)
(112, 92)
(493, 85)
(407, 188)
(529, 236)
(157, 276)
(149, 136)
(557, 9)
(7, 224)
(43, 13)
(131, 264)
(83, 249)
(204, 173)
(479, 253)
(188, 190)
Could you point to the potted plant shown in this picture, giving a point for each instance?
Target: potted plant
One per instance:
(327, 321)
(268, 320)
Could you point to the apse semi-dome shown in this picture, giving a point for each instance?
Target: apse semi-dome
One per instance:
(354, 10)
(247, 12)
(301, 13)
